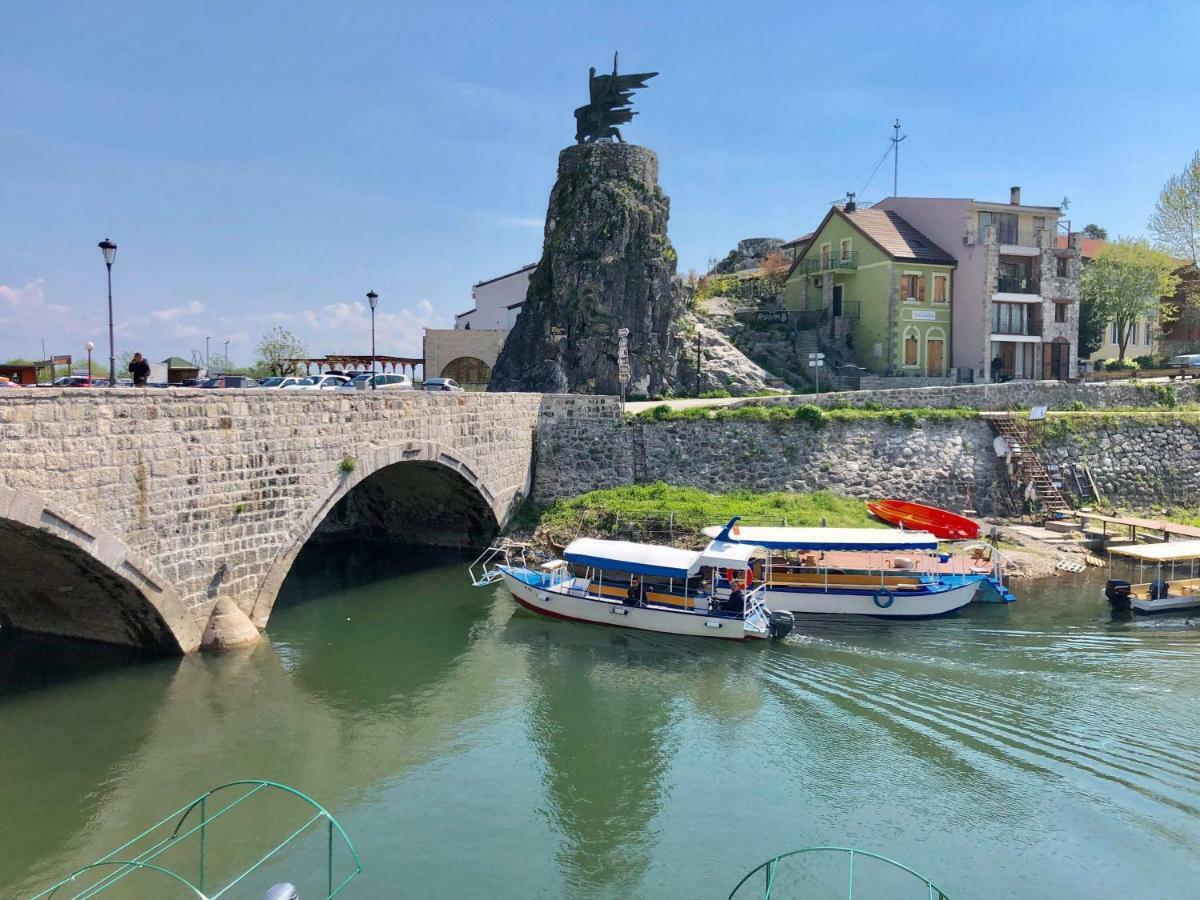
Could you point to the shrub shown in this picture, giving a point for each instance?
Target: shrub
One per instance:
(1078, 406)
(1121, 365)
(348, 464)
(909, 418)
(714, 394)
(810, 413)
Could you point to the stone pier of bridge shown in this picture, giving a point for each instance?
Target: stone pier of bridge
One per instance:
(142, 516)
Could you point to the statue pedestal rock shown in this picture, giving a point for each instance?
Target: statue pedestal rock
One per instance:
(607, 264)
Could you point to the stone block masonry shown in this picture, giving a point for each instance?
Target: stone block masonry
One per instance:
(947, 463)
(180, 498)
(1139, 460)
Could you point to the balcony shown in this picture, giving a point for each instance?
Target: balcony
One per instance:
(835, 262)
(1017, 284)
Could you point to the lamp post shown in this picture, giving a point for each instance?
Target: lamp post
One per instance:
(90, 347)
(207, 357)
(109, 249)
(373, 299)
(227, 353)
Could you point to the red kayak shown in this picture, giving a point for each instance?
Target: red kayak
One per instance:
(918, 517)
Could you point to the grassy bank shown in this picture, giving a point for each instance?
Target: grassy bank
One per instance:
(661, 511)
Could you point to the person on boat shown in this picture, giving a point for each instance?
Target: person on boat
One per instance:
(736, 601)
(634, 597)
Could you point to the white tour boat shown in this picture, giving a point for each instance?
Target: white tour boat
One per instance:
(642, 586)
(805, 582)
(1166, 592)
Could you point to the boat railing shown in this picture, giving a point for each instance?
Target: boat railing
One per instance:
(756, 606)
(781, 874)
(484, 570)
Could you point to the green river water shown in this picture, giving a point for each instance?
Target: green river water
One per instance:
(472, 750)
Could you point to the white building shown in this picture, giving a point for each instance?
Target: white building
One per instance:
(497, 301)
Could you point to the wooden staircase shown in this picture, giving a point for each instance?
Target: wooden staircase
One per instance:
(1028, 467)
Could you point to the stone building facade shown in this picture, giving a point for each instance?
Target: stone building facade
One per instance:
(1017, 292)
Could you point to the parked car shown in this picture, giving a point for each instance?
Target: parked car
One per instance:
(280, 381)
(7, 383)
(78, 381)
(383, 381)
(1186, 361)
(318, 383)
(441, 384)
(230, 381)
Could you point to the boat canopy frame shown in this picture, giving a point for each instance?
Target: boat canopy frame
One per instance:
(119, 868)
(770, 868)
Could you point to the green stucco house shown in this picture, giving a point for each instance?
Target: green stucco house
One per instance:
(878, 290)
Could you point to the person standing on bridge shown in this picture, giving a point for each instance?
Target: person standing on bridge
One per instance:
(139, 369)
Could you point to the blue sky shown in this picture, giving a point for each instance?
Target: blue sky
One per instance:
(269, 163)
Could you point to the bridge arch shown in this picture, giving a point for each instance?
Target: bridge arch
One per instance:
(67, 577)
(427, 476)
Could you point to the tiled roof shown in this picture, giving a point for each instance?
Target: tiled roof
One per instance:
(1089, 248)
(896, 237)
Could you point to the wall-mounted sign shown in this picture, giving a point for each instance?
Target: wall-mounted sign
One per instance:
(924, 315)
(62, 360)
(773, 316)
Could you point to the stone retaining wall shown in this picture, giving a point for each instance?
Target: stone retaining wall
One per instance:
(1138, 461)
(1011, 395)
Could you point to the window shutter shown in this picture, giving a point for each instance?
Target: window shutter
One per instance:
(921, 288)
(1047, 360)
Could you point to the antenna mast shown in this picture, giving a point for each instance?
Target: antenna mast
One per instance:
(896, 139)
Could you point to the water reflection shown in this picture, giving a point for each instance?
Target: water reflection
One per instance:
(471, 749)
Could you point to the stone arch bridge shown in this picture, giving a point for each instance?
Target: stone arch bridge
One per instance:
(142, 516)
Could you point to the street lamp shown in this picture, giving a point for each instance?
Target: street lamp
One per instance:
(207, 357)
(109, 249)
(373, 299)
(90, 347)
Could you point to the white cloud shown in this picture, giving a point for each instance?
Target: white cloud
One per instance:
(175, 312)
(346, 328)
(26, 319)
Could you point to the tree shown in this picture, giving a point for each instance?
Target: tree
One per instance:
(1176, 220)
(277, 347)
(1091, 327)
(1095, 232)
(1127, 283)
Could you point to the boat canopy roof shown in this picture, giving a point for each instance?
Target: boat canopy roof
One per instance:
(638, 559)
(1170, 551)
(826, 538)
(726, 555)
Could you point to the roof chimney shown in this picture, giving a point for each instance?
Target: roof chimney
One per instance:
(1014, 195)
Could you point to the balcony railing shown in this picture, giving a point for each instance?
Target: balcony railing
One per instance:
(852, 309)
(832, 263)
(1030, 326)
(1013, 284)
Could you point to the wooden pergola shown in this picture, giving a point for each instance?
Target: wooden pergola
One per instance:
(342, 362)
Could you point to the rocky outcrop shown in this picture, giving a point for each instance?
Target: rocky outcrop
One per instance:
(747, 255)
(608, 264)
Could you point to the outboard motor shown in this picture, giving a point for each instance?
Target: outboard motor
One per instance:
(780, 623)
(1117, 591)
(281, 891)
